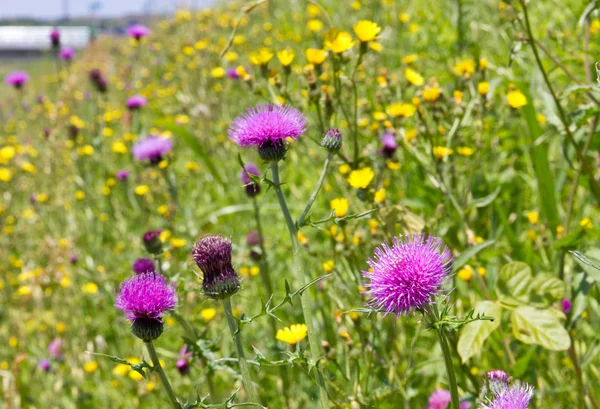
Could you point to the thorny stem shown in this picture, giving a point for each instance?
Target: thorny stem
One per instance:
(252, 396)
(447, 359)
(315, 192)
(161, 374)
(305, 297)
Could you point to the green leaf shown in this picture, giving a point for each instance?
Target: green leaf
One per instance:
(571, 240)
(546, 290)
(589, 261)
(473, 335)
(539, 158)
(486, 200)
(193, 143)
(541, 327)
(514, 282)
(468, 254)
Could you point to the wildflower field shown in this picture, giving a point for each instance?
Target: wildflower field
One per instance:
(306, 204)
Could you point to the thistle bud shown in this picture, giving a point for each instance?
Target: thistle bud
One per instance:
(147, 329)
(152, 241)
(332, 141)
(272, 151)
(212, 254)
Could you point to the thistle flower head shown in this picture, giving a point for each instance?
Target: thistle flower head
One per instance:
(252, 189)
(44, 365)
(439, 399)
(153, 148)
(143, 265)
(266, 127)
(66, 54)
(388, 140)
(332, 141)
(497, 380)
(136, 102)
(17, 79)
(407, 275)
(138, 31)
(212, 254)
(98, 80)
(55, 348)
(144, 298)
(152, 241)
(122, 175)
(55, 38)
(517, 396)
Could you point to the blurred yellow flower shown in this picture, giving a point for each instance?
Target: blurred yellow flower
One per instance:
(586, 223)
(262, 57)
(292, 334)
(533, 217)
(121, 370)
(409, 59)
(441, 152)
(483, 88)
(483, 64)
(119, 147)
(404, 17)
(141, 190)
(7, 153)
(339, 41)
(516, 99)
(340, 206)
(402, 109)
(465, 68)
(217, 72)
(458, 96)
(79, 195)
(208, 314)
(413, 77)
(465, 273)
(316, 56)
(464, 151)
(328, 266)
(344, 168)
(5, 174)
(315, 25)
(394, 165)
(541, 118)
(90, 367)
(302, 238)
(178, 243)
(431, 94)
(360, 179)
(366, 30)
(380, 196)
(90, 288)
(286, 57)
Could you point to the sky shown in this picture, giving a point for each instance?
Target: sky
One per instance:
(52, 9)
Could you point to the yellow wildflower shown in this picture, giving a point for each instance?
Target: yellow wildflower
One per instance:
(431, 94)
(208, 314)
(465, 68)
(339, 42)
(409, 59)
(5, 175)
(483, 88)
(141, 190)
(316, 56)
(516, 99)
(366, 30)
(262, 57)
(533, 217)
(380, 196)
(90, 367)
(178, 243)
(340, 206)
(586, 223)
(404, 17)
(286, 57)
(292, 334)
(360, 179)
(413, 77)
(315, 25)
(119, 147)
(464, 151)
(465, 273)
(402, 109)
(217, 72)
(441, 152)
(90, 288)
(328, 266)
(344, 169)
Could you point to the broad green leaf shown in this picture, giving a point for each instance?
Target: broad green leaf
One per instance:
(540, 327)
(546, 290)
(473, 335)
(486, 200)
(514, 281)
(468, 254)
(538, 151)
(571, 240)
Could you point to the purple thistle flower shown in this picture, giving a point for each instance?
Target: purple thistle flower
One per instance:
(55, 38)
(143, 265)
(138, 31)
(44, 365)
(55, 348)
(73, 258)
(122, 175)
(212, 254)
(266, 127)
(232, 73)
(253, 241)
(388, 140)
(332, 141)
(66, 54)
(153, 148)
(515, 397)
(566, 305)
(136, 102)
(498, 381)
(144, 298)
(98, 80)
(17, 79)
(407, 275)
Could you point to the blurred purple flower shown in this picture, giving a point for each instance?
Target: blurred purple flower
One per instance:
(407, 275)
(138, 31)
(17, 79)
(153, 148)
(55, 348)
(143, 265)
(566, 305)
(73, 258)
(136, 102)
(388, 140)
(183, 365)
(66, 54)
(232, 73)
(122, 175)
(44, 365)
(55, 37)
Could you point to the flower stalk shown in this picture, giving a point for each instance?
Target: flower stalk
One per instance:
(161, 374)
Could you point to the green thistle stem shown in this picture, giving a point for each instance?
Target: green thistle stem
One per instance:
(252, 396)
(434, 316)
(305, 298)
(161, 374)
(264, 263)
(314, 194)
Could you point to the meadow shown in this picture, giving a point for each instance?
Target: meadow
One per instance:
(306, 204)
